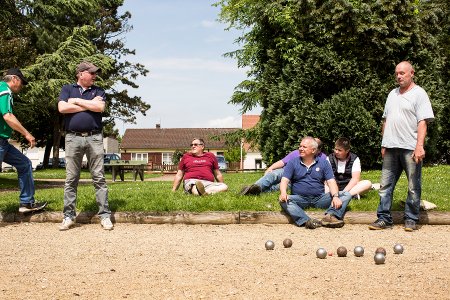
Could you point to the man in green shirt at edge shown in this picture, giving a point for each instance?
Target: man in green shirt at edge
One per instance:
(13, 82)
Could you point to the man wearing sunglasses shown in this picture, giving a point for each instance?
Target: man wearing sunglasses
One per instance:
(82, 104)
(13, 83)
(200, 170)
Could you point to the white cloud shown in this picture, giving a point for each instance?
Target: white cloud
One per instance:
(208, 24)
(190, 64)
(227, 122)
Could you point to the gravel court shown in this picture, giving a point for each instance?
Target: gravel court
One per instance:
(146, 261)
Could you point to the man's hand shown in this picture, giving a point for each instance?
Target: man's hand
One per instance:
(418, 154)
(383, 150)
(336, 202)
(31, 140)
(283, 197)
(98, 98)
(72, 101)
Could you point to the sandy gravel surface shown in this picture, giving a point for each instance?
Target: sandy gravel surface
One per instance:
(136, 261)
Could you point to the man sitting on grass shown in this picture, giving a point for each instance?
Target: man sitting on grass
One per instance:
(347, 169)
(199, 170)
(307, 176)
(270, 182)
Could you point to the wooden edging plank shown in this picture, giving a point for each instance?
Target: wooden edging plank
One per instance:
(216, 218)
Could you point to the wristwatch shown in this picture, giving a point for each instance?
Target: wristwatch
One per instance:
(336, 195)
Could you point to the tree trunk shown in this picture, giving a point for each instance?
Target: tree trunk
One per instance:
(57, 133)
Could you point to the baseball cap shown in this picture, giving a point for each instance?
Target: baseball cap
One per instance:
(18, 73)
(87, 66)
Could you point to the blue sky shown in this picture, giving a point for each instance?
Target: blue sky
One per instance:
(190, 82)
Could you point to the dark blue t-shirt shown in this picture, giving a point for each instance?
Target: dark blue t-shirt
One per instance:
(86, 120)
(308, 181)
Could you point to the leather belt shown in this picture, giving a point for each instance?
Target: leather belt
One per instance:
(84, 134)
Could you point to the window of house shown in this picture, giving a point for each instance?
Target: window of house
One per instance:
(139, 156)
(167, 158)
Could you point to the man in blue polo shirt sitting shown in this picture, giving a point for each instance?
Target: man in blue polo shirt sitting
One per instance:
(307, 176)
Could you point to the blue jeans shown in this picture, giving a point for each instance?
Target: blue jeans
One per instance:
(394, 162)
(296, 204)
(270, 182)
(10, 155)
(76, 148)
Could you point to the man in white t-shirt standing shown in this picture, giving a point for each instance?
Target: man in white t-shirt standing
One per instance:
(347, 169)
(406, 114)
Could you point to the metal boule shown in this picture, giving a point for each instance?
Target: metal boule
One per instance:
(379, 258)
(270, 245)
(398, 249)
(358, 251)
(321, 253)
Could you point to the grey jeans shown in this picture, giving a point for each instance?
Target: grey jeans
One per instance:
(76, 148)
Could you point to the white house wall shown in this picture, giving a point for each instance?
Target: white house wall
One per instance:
(250, 161)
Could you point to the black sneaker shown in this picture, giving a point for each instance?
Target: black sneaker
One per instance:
(410, 225)
(29, 207)
(313, 224)
(379, 224)
(253, 189)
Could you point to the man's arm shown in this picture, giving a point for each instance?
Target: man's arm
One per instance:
(336, 202)
(12, 122)
(218, 175)
(356, 176)
(382, 133)
(69, 108)
(419, 152)
(96, 105)
(277, 165)
(177, 180)
(283, 189)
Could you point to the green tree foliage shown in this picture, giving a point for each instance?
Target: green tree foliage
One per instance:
(324, 68)
(16, 44)
(63, 33)
(177, 155)
(233, 154)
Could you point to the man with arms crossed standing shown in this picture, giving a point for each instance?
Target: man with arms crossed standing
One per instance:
(406, 114)
(82, 104)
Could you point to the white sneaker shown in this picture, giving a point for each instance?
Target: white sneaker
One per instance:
(107, 224)
(66, 224)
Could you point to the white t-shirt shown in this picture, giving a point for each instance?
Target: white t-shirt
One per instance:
(355, 168)
(341, 165)
(402, 113)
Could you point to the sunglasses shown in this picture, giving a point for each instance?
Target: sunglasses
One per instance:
(192, 145)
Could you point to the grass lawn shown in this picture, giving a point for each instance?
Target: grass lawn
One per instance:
(157, 195)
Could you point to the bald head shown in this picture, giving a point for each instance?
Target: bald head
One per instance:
(404, 74)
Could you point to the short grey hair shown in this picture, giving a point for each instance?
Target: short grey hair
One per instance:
(312, 142)
(8, 78)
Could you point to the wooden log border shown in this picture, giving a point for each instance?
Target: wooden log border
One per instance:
(216, 218)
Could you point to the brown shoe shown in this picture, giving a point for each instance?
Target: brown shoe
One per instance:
(313, 224)
(200, 188)
(331, 221)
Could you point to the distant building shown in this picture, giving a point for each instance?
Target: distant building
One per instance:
(253, 159)
(157, 145)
